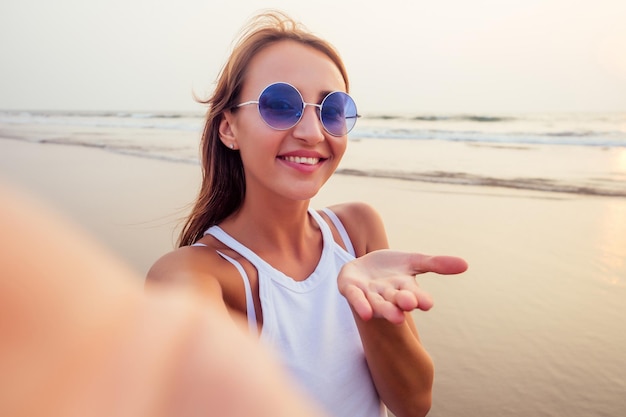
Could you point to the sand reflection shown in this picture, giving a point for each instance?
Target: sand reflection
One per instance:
(612, 242)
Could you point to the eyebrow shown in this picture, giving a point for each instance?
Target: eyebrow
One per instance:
(323, 95)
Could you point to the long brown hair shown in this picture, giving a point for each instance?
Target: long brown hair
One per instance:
(223, 183)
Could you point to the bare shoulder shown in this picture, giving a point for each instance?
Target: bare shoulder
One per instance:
(364, 225)
(191, 267)
(356, 212)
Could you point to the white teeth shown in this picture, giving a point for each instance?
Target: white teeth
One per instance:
(302, 160)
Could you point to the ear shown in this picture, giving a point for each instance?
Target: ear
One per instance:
(227, 130)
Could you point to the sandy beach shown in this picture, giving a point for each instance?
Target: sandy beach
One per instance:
(535, 327)
(130, 204)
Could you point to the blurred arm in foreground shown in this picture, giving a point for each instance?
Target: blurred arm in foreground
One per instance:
(79, 336)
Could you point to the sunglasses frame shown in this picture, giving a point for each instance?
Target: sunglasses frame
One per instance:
(304, 105)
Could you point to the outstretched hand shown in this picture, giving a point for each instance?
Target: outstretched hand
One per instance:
(382, 283)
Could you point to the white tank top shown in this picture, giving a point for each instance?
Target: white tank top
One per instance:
(310, 325)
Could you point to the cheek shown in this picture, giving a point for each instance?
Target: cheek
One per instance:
(339, 148)
(259, 145)
(253, 133)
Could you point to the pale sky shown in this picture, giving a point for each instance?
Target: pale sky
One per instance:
(407, 56)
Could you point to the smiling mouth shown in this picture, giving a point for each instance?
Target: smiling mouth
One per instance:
(301, 160)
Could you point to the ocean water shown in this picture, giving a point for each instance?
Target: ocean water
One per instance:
(581, 129)
(565, 152)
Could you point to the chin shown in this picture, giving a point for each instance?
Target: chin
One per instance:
(302, 193)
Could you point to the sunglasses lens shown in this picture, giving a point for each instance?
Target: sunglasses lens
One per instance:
(281, 106)
(338, 113)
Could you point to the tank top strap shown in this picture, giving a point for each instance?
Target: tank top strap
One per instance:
(219, 234)
(327, 234)
(250, 312)
(258, 262)
(341, 229)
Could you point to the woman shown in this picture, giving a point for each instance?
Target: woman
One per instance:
(319, 287)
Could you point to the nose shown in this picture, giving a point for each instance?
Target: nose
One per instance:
(309, 128)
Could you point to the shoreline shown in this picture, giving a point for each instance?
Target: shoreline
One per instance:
(577, 170)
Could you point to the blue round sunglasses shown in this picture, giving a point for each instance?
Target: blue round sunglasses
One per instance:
(281, 107)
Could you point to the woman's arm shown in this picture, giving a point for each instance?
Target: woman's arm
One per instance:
(381, 288)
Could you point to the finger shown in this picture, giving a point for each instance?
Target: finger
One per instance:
(423, 299)
(445, 265)
(408, 296)
(385, 309)
(359, 302)
(406, 300)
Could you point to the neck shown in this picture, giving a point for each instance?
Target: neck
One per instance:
(284, 235)
(270, 225)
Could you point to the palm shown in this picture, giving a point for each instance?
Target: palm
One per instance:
(382, 283)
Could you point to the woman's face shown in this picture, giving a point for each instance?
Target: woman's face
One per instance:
(296, 162)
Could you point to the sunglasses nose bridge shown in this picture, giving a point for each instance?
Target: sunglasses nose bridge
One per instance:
(310, 125)
(305, 105)
(318, 109)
